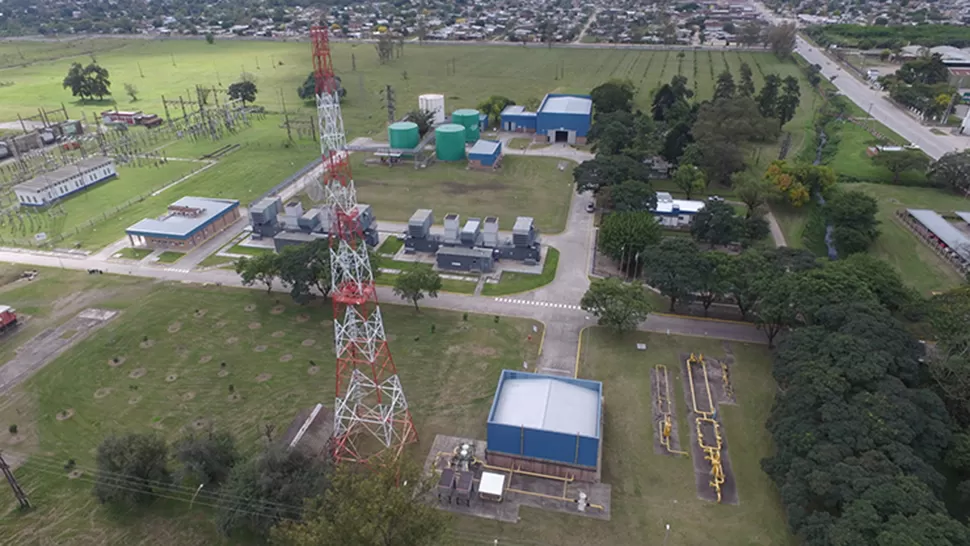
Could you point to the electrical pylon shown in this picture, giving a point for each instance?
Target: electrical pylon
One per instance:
(372, 422)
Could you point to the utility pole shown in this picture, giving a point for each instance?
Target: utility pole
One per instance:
(388, 96)
(18, 492)
(353, 63)
(286, 118)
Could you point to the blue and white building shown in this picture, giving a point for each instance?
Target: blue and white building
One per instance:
(672, 212)
(560, 118)
(186, 224)
(44, 189)
(485, 154)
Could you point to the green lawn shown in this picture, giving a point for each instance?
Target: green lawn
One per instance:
(390, 246)
(449, 377)
(851, 159)
(513, 283)
(214, 260)
(170, 257)
(249, 250)
(651, 490)
(130, 253)
(524, 186)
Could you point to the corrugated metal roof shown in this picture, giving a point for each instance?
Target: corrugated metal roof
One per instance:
(666, 204)
(547, 403)
(567, 105)
(485, 147)
(944, 231)
(176, 225)
(476, 252)
(965, 216)
(523, 224)
(43, 181)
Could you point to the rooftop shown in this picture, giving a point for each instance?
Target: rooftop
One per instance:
(566, 104)
(43, 181)
(545, 402)
(666, 204)
(173, 224)
(476, 252)
(517, 110)
(944, 231)
(485, 147)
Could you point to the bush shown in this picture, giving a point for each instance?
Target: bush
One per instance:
(13, 429)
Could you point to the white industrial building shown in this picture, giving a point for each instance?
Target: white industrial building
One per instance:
(672, 212)
(46, 188)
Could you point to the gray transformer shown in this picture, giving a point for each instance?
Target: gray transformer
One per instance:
(459, 258)
(524, 245)
(262, 217)
(269, 218)
(418, 237)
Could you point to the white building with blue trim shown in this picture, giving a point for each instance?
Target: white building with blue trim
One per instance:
(672, 212)
(44, 189)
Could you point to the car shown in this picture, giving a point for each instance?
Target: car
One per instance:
(590, 207)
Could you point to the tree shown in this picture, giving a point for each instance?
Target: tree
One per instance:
(713, 279)
(751, 33)
(753, 229)
(75, 81)
(632, 196)
(752, 191)
(768, 97)
(776, 310)
(788, 102)
(605, 170)
(673, 266)
(625, 236)
(210, 38)
(616, 304)
(901, 161)
(742, 276)
(424, 119)
(716, 224)
(781, 39)
(130, 469)
(612, 132)
(671, 97)
(308, 91)
(689, 179)
(385, 48)
(746, 87)
(264, 268)
(206, 457)
(721, 129)
(786, 182)
(924, 70)
(952, 171)
(676, 141)
(131, 91)
(493, 106)
(724, 88)
(853, 217)
(270, 488)
(382, 508)
(304, 267)
(244, 91)
(413, 284)
(613, 96)
(87, 82)
(882, 279)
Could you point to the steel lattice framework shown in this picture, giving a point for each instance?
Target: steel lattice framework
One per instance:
(371, 416)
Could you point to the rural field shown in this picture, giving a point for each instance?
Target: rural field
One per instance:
(651, 490)
(171, 342)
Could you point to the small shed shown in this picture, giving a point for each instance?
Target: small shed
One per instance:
(458, 258)
(491, 486)
(485, 154)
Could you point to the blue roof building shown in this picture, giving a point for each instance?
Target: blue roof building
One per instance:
(187, 223)
(485, 154)
(561, 118)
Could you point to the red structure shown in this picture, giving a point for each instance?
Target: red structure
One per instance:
(372, 421)
(8, 317)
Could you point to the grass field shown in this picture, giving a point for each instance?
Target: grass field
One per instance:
(525, 186)
(170, 257)
(514, 283)
(130, 253)
(851, 158)
(651, 490)
(449, 377)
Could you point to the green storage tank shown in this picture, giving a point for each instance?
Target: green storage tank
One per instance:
(450, 142)
(467, 118)
(403, 134)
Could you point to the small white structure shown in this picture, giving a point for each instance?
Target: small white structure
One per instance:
(672, 212)
(492, 486)
(433, 103)
(46, 188)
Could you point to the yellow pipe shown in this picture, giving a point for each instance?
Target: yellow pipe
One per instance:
(553, 497)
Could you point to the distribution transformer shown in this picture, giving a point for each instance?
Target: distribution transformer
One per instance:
(289, 224)
(474, 246)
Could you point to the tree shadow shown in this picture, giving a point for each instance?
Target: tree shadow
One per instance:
(93, 102)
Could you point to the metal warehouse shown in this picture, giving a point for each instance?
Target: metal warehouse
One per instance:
(546, 424)
(46, 188)
(187, 223)
(485, 154)
(561, 118)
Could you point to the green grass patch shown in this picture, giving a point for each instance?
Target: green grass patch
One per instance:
(519, 143)
(512, 282)
(852, 161)
(646, 484)
(449, 376)
(390, 246)
(170, 257)
(524, 186)
(214, 260)
(130, 253)
(249, 250)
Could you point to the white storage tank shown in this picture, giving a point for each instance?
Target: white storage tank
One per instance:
(433, 103)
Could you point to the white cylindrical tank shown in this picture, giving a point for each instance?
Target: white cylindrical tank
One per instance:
(433, 103)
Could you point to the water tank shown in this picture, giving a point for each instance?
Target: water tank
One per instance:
(433, 103)
(467, 118)
(403, 134)
(450, 142)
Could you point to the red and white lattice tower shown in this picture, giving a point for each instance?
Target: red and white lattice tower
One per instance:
(371, 416)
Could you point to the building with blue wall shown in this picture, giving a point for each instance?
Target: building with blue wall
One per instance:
(561, 118)
(554, 423)
(485, 154)
(186, 224)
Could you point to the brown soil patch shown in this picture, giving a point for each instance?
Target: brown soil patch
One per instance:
(134, 399)
(174, 327)
(279, 333)
(313, 370)
(205, 359)
(147, 344)
(64, 415)
(277, 310)
(263, 377)
(286, 358)
(222, 323)
(309, 342)
(116, 361)
(231, 340)
(250, 308)
(223, 373)
(137, 372)
(259, 348)
(102, 392)
(200, 423)
(171, 377)
(302, 317)
(255, 326)
(188, 396)
(199, 313)
(15, 439)
(74, 474)
(234, 397)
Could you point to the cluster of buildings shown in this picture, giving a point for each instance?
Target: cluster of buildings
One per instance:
(289, 224)
(639, 22)
(559, 118)
(47, 134)
(827, 12)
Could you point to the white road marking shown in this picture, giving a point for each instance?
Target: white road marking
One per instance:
(178, 270)
(539, 303)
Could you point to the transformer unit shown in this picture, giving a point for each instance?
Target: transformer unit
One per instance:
(270, 218)
(262, 217)
(471, 232)
(524, 231)
(452, 229)
(490, 232)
